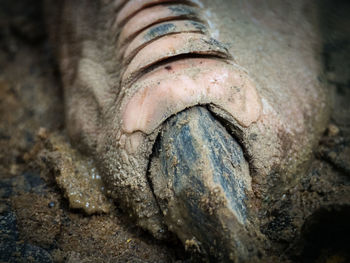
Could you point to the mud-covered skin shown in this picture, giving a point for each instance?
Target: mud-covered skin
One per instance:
(283, 57)
(284, 66)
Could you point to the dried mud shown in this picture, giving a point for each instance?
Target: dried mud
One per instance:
(305, 218)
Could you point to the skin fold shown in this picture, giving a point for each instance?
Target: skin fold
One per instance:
(127, 66)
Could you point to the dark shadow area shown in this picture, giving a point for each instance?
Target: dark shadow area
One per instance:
(335, 32)
(24, 19)
(326, 235)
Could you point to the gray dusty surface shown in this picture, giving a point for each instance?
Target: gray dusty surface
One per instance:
(305, 219)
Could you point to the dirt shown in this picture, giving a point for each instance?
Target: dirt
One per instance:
(36, 222)
(74, 173)
(305, 218)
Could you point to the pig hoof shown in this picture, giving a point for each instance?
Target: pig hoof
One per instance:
(201, 181)
(168, 62)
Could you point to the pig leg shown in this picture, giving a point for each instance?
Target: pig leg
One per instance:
(129, 66)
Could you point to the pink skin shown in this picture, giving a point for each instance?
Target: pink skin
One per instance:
(133, 6)
(170, 46)
(141, 39)
(176, 86)
(146, 18)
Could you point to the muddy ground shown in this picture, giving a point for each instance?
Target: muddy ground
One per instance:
(305, 220)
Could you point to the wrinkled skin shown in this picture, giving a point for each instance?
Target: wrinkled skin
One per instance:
(261, 78)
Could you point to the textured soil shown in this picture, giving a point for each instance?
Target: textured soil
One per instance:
(305, 220)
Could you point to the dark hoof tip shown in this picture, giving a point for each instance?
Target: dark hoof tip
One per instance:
(200, 178)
